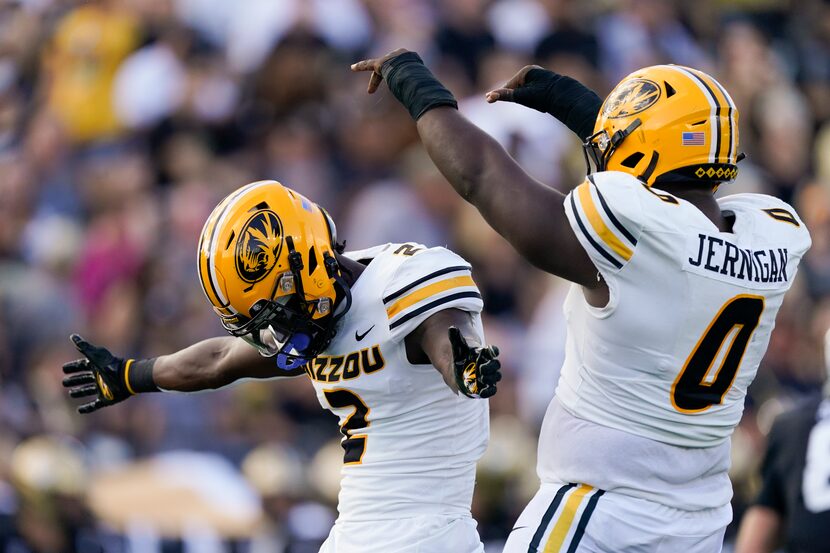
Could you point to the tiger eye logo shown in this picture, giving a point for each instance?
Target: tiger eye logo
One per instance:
(470, 380)
(633, 97)
(102, 386)
(258, 246)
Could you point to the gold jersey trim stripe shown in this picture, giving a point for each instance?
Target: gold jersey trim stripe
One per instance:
(781, 214)
(599, 226)
(423, 293)
(566, 518)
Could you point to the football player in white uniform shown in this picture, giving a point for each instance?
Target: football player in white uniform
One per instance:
(369, 329)
(674, 298)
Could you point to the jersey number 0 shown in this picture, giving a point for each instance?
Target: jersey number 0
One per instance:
(692, 392)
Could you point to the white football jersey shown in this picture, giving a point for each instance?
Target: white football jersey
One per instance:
(691, 309)
(410, 443)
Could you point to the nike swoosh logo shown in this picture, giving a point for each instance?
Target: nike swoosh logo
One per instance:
(359, 337)
(518, 528)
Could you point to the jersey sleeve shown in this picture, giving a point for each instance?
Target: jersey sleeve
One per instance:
(429, 281)
(775, 218)
(606, 215)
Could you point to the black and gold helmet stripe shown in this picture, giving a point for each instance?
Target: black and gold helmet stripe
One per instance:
(209, 285)
(216, 297)
(730, 115)
(721, 102)
(713, 101)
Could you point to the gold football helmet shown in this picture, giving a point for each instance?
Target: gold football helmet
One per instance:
(267, 265)
(667, 123)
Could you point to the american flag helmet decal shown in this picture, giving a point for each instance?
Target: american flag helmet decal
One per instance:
(693, 138)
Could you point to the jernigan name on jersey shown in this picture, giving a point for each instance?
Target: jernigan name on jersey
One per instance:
(411, 444)
(690, 314)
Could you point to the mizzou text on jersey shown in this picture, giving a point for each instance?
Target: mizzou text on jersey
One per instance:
(402, 460)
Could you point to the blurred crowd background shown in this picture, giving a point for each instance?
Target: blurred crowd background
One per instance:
(123, 122)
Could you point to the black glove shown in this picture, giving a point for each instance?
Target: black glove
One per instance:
(476, 370)
(568, 100)
(103, 375)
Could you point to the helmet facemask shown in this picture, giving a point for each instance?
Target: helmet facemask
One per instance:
(599, 147)
(285, 327)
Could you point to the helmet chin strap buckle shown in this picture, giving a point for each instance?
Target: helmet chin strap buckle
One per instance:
(618, 136)
(605, 145)
(332, 267)
(295, 264)
(333, 270)
(287, 283)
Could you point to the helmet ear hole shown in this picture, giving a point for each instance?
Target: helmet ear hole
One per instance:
(670, 91)
(312, 260)
(632, 160)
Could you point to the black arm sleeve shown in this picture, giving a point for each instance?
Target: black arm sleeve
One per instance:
(568, 100)
(414, 85)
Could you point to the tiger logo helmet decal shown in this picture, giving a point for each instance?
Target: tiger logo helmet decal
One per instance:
(635, 96)
(258, 247)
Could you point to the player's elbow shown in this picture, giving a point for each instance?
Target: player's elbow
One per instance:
(468, 175)
(468, 188)
(478, 182)
(213, 372)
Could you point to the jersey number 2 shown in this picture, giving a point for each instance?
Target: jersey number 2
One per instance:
(354, 445)
(692, 392)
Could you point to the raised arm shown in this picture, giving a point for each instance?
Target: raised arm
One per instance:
(530, 215)
(206, 365)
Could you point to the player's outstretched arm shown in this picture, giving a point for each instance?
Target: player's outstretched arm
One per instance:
(450, 341)
(107, 379)
(530, 215)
